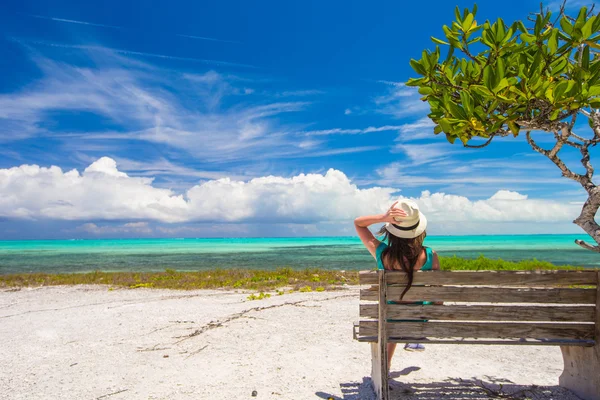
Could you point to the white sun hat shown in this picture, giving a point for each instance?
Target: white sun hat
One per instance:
(411, 226)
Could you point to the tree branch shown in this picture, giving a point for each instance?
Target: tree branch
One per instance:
(552, 155)
(587, 246)
(479, 146)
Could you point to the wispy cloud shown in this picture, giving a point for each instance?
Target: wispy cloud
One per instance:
(72, 21)
(207, 38)
(346, 150)
(400, 101)
(299, 93)
(197, 114)
(420, 129)
(424, 153)
(570, 4)
(340, 131)
(78, 22)
(103, 49)
(397, 101)
(404, 175)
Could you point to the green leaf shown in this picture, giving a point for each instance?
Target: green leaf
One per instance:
(501, 73)
(595, 103)
(467, 102)
(514, 128)
(457, 14)
(425, 90)
(416, 65)
(527, 38)
(450, 138)
(488, 77)
(481, 90)
(558, 66)
(585, 58)
(570, 86)
(560, 89)
(594, 91)
(457, 111)
(553, 41)
(503, 83)
(500, 31)
(539, 24)
(515, 90)
(580, 21)
(566, 25)
(586, 29)
(549, 94)
(554, 114)
(467, 22)
(535, 64)
(437, 130)
(445, 125)
(438, 41)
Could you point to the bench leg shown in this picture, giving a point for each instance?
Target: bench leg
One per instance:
(379, 372)
(581, 374)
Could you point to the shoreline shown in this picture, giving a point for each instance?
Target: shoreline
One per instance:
(309, 279)
(91, 342)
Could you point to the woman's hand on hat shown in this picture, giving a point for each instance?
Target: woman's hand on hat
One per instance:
(394, 213)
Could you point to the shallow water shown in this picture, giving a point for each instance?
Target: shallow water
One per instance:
(265, 253)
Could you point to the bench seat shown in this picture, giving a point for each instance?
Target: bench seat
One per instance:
(541, 308)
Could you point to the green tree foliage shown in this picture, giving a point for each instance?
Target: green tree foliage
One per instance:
(499, 80)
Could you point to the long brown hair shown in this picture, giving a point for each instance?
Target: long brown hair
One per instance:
(402, 252)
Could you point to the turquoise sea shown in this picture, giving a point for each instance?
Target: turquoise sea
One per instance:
(346, 253)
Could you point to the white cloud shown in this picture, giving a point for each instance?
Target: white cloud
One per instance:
(130, 227)
(504, 206)
(340, 131)
(347, 111)
(102, 192)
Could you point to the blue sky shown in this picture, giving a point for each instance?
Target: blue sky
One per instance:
(238, 118)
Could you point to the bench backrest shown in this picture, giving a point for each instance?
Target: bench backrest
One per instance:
(488, 307)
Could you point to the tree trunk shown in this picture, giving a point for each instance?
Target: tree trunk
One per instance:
(586, 219)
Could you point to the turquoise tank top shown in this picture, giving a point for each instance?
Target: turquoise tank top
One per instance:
(428, 266)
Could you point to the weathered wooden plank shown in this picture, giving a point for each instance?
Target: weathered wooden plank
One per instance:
(481, 330)
(503, 342)
(486, 295)
(483, 313)
(380, 365)
(486, 278)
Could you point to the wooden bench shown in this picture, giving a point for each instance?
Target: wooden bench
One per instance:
(546, 308)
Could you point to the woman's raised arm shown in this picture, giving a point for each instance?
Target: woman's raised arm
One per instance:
(362, 223)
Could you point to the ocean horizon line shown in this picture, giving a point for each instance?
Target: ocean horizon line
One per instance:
(290, 237)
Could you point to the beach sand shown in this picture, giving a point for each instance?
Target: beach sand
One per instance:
(89, 342)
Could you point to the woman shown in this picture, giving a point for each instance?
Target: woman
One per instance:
(402, 248)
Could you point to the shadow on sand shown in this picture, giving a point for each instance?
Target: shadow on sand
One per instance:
(488, 387)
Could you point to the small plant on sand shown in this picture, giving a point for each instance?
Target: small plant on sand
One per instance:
(259, 296)
(306, 289)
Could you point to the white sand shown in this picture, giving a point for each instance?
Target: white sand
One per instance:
(86, 342)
